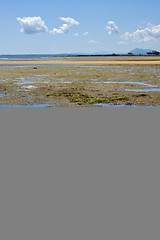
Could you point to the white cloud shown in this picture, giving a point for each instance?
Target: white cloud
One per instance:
(150, 33)
(76, 34)
(85, 33)
(30, 25)
(122, 42)
(112, 28)
(94, 42)
(69, 23)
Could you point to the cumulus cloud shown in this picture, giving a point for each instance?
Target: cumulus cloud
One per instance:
(112, 28)
(94, 42)
(85, 33)
(69, 23)
(76, 34)
(150, 33)
(122, 42)
(31, 25)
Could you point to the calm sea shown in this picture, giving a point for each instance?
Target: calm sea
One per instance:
(32, 57)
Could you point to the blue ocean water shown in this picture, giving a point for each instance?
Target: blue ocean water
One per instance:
(32, 56)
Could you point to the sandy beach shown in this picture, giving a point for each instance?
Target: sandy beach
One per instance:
(88, 61)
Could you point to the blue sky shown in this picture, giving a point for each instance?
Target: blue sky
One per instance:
(67, 26)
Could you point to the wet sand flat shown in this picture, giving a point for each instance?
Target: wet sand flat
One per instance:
(73, 84)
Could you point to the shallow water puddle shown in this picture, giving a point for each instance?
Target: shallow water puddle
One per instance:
(122, 105)
(43, 75)
(30, 80)
(3, 80)
(29, 87)
(143, 90)
(138, 83)
(4, 95)
(25, 82)
(126, 82)
(28, 106)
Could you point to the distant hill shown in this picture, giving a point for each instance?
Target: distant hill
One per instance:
(140, 51)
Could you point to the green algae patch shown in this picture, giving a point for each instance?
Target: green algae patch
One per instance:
(68, 94)
(120, 98)
(107, 99)
(72, 96)
(84, 98)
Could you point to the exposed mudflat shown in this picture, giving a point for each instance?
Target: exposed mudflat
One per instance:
(83, 84)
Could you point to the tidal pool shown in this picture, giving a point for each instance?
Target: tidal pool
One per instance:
(143, 90)
(126, 82)
(123, 105)
(28, 106)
